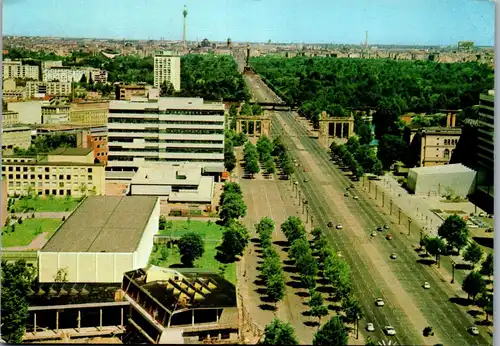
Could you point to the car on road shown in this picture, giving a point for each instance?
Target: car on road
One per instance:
(386, 226)
(380, 229)
(393, 256)
(330, 224)
(374, 234)
(305, 169)
(389, 330)
(355, 197)
(379, 302)
(427, 285)
(346, 194)
(339, 254)
(473, 330)
(306, 180)
(339, 226)
(370, 327)
(388, 237)
(351, 186)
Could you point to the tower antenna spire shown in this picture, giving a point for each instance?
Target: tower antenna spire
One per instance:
(185, 13)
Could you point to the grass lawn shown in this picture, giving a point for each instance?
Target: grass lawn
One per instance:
(211, 232)
(27, 231)
(208, 230)
(42, 204)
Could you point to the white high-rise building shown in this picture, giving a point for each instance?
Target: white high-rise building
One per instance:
(167, 68)
(16, 69)
(169, 130)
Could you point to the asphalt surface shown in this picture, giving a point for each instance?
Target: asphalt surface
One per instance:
(449, 322)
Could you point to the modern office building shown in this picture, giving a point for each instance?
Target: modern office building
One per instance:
(89, 113)
(48, 88)
(69, 171)
(16, 69)
(167, 130)
(101, 240)
(486, 144)
(167, 68)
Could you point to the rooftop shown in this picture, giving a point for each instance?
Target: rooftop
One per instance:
(453, 168)
(163, 103)
(49, 294)
(72, 151)
(167, 175)
(104, 224)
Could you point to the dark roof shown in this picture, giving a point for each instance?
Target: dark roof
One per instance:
(71, 151)
(104, 224)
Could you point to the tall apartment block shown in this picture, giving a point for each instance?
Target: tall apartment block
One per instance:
(168, 130)
(16, 69)
(485, 147)
(48, 88)
(167, 68)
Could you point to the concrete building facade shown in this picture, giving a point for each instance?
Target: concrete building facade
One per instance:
(48, 88)
(486, 132)
(167, 68)
(89, 113)
(67, 74)
(95, 139)
(125, 92)
(455, 179)
(30, 112)
(101, 240)
(10, 118)
(4, 202)
(16, 69)
(63, 172)
(15, 136)
(165, 131)
(55, 114)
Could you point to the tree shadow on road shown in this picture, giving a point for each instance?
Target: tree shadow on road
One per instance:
(290, 269)
(332, 307)
(475, 313)
(322, 281)
(311, 323)
(484, 323)
(302, 294)
(256, 241)
(463, 266)
(259, 282)
(424, 255)
(267, 307)
(295, 284)
(281, 243)
(261, 291)
(306, 313)
(324, 289)
(295, 277)
(460, 301)
(288, 262)
(427, 262)
(259, 251)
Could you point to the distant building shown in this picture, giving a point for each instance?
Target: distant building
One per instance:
(89, 113)
(167, 68)
(177, 184)
(48, 88)
(101, 240)
(99, 76)
(97, 140)
(465, 46)
(30, 112)
(455, 179)
(486, 143)
(12, 92)
(4, 202)
(15, 136)
(66, 74)
(125, 92)
(55, 114)
(168, 131)
(69, 171)
(16, 69)
(10, 118)
(51, 64)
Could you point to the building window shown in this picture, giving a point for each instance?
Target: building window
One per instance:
(47, 177)
(446, 154)
(89, 178)
(25, 176)
(10, 169)
(18, 169)
(54, 192)
(11, 176)
(47, 169)
(89, 170)
(32, 176)
(47, 192)
(61, 192)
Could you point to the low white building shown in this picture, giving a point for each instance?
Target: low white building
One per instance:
(177, 184)
(456, 179)
(48, 88)
(101, 240)
(30, 112)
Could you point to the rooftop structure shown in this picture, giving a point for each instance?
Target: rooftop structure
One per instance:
(103, 238)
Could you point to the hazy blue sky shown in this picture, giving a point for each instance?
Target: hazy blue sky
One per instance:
(432, 22)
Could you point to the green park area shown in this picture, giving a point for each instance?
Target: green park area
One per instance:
(210, 232)
(43, 204)
(21, 234)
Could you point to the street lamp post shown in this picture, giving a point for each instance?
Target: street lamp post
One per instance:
(375, 192)
(399, 216)
(409, 226)
(390, 207)
(452, 271)
(357, 326)
(307, 214)
(312, 222)
(369, 186)
(383, 199)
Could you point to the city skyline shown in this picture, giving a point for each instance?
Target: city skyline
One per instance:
(339, 22)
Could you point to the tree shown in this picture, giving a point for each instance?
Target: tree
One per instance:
(435, 246)
(279, 333)
(232, 207)
(234, 240)
(352, 310)
(332, 332)
(229, 160)
(320, 243)
(487, 265)
(166, 89)
(365, 134)
(293, 229)
(298, 249)
(270, 166)
(257, 109)
(275, 286)
(338, 273)
(163, 222)
(191, 247)
(486, 302)
(454, 230)
(15, 285)
(391, 149)
(377, 168)
(473, 253)
(252, 167)
(246, 110)
(370, 342)
(316, 303)
(316, 232)
(233, 112)
(473, 285)
(231, 187)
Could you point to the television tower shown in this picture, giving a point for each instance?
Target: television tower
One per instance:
(185, 13)
(366, 40)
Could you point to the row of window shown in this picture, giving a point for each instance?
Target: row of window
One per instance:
(112, 158)
(169, 150)
(160, 122)
(186, 131)
(40, 185)
(45, 169)
(47, 177)
(450, 141)
(168, 111)
(162, 141)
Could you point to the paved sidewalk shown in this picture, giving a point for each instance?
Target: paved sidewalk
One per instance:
(44, 215)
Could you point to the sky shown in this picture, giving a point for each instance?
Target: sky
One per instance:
(403, 22)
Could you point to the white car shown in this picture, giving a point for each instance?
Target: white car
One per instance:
(339, 254)
(393, 256)
(338, 227)
(427, 285)
(389, 330)
(379, 302)
(356, 197)
(374, 234)
(370, 327)
(474, 331)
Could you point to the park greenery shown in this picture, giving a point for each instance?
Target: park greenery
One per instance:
(282, 158)
(232, 206)
(265, 149)
(454, 230)
(251, 157)
(235, 239)
(358, 158)
(47, 143)
(279, 333)
(332, 332)
(16, 281)
(191, 247)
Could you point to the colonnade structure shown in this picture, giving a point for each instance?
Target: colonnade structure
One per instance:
(334, 127)
(254, 125)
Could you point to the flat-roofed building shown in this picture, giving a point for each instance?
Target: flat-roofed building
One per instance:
(55, 114)
(174, 183)
(66, 74)
(167, 68)
(52, 63)
(15, 135)
(89, 113)
(10, 118)
(125, 92)
(167, 131)
(97, 140)
(30, 112)
(101, 240)
(48, 88)
(16, 69)
(486, 131)
(68, 171)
